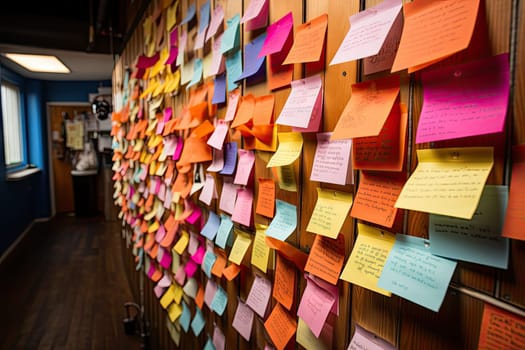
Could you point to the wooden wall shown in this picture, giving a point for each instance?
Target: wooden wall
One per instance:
(402, 323)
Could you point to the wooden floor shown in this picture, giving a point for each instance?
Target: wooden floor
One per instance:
(64, 288)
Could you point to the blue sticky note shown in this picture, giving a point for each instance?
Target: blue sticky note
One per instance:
(224, 235)
(204, 16)
(190, 13)
(208, 262)
(413, 273)
(197, 325)
(219, 302)
(253, 64)
(284, 221)
(231, 36)
(477, 240)
(185, 317)
(212, 225)
(233, 69)
(209, 345)
(230, 158)
(197, 73)
(219, 89)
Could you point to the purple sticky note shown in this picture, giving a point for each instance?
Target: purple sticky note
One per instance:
(278, 33)
(204, 18)
(230, 158)
(252, 62)
(219, 90)
(212, 225)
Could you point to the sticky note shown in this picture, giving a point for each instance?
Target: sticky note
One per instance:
(217, 161)
(217, 19)
(219, 89)
(197, 73)
(185, 317)
(330, 212)
(243, 320)
(212, 225)
(315, 306)
(284, 221)
(376, 196)
(284, 282)
(332, 160)
(447, 181)
(256, 15)
(182, 243)
(209, 191)
(233, 69)
(260, 250)
(308, 41)
(259, 295)
(326, 258)
(167, 297)
(368, 108)
(190, 288)
(286, 178)
(290, 146)
(198, 322)
(368, 31)
(240, 247)
(366, 262)
(216, 139)
(363, 339)
(220, 263)
(231, 36)
(464, 100)
(230, 158)
(477, 240)
(208, 262)
(432, 31)
(209, 344)
(217, 65)
(254, 67)
(190, 13)
(281, 326)
(245, 111)
(308, 340)
(244, 169)
(242, 212)
(224, 231)
(174, 311)
(278, 34)
(204, 16)
(219, 340)
(209, 292)
(515, 215)
(219, 302)
(231, 271)
(186, 72)
(228, 196)
(413, 273)
(501, 329)
(266, 198)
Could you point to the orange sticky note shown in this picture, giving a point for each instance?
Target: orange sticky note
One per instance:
(501, 329)
(231, 271)
(263, 112)
(309, 41)
(326, 258)
(195, 150)
(281, 326)
(515, 215)
(199, 298)
(266, 198)
(220, 263)
(288, 251)
(385, 151)
(204, 129)
(368, 108)
(284, 282)
(278, 75)
(245, 112)
(434, 30)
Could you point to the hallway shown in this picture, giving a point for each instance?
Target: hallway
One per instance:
(64, 288)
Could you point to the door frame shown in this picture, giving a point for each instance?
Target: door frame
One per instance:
(52, 199)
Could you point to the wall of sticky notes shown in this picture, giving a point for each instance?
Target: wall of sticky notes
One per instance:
(324, 174)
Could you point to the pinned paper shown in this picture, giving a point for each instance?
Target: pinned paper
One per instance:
(284, 222)
(231, 36)
(501, 329)
(244, 169)
(368, 108)
(216, 139)
(368, 31)
(260, 250)
(515, 216)
(284, 282)
(413, 273)
(259, 295)
(315, 306)
(331, 161)
(368, 257)
(233, 69)
(224, 232)
(290, 146)
(209, 192)
(365, 340)
(326, 258)
(281, 326)
(254, 67)
(309, 41)
(243, 320)
(464, 100)
(330, 212)
(198, 322)
(304, 99)
(212, 225)
(217, 20)
(242, 212)
(308, 340)
(256, 15)
(376, 196)
(447, 181)
(219, 302)
(432, 31)
(266, 198)
(228, 196)
(240, 247)
(478, 240)
(278, 34)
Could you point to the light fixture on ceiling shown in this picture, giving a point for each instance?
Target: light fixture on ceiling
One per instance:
(39, 63)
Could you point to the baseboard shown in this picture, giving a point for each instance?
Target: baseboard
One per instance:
(20, 238)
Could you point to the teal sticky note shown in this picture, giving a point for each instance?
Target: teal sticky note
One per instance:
(197, 73)
(197, 325)
(208, 262)
(284, 222)
(233, 69)
(185, 317)
(477, 240)
(224, 235)
(413, 273)
(219, 302)
(209, 345)
(212, 225)
(231, 37)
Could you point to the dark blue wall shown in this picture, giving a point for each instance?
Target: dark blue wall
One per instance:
(71, 91)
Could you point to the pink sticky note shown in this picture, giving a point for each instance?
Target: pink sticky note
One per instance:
(161, 232)
(217, 61)
(209, 191)
(464, 100)
(332, 160)
(233, 101)
(315, 119)
(194, 216)
(180, 275)
(278, 33)
(167, 200)
(162, 192)
(182, 46)
(209, 292)
(165, 281)
(228, 196)
(363, 339)
(259, 295)
(244, 167)
(315, 306)
(151, 270)
(174, 36)
(158, 290)
(178, 149)
(216, 139)
(190, 268)
(193, 244)
(243, 320)
(199, 255)
(297, 110)
(242, 212)
(217, 19)
(219, 340)
(199, 40)
(256, 15)
(218, 161)
(165, 261)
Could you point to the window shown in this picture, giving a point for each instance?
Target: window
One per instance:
(12, 123)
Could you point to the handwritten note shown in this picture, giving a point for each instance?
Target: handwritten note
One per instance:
(315, 306)
(478, 240)
(376, 196)
(242, 212)
(364, 340)
(331, 161)
(290, 146)
(464, 100)
(244, 169)
(243, 320)
(217, 65)
(224, 232)
(413, 273)
(209, 192)
(260, 250)
(259, 295)
(266, 198)
(240, 247)
(330, 212)
(368, 31)
(501, 329)
(284, 282)
(284, 221)
(515, 216)
(309, 41)
(219, 302)
(228, 196)
(447, 181)
(365, 264)
(281, 326)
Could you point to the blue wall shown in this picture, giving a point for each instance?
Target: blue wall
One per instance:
(23, 201)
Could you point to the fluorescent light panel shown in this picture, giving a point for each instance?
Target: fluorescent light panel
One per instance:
(39, 63)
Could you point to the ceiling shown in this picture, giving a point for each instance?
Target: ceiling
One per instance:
(63, 28)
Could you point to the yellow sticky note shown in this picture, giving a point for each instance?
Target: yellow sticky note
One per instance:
(240, 247)
(171, 15)
(447, 181)
(290, 146)
(153, 227)
(286, 177)
(167, 297)
(306, 338)
(260, 251)
(368, 257)
(330, 212)
(174, 311)
(182, 243)
(178, 293)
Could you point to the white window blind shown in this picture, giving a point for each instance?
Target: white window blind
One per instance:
(12, 124)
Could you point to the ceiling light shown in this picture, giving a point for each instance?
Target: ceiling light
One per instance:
(39, 63)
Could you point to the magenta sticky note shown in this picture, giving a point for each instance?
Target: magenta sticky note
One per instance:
(165, 261)
(315, 306)
(190, 268)
(199, 255)
(278, 33)
(180, 275)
